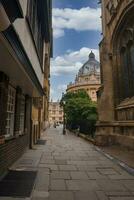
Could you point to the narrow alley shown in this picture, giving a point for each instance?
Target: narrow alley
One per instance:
(70, 168)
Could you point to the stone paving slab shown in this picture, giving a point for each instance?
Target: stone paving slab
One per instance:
(82, 185)
(50, 166)
(61, 195)
(85, 195)
(110, 185)
(101, 195)
(60, 175)
(57, 185)
(79, 175)
(96, 175)
(42, 182)
(11, 198)
(67, 167)
(40, 194)
(121, 198)
(70, 168)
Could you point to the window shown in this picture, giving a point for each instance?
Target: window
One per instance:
(35, 26)
(22, 115)
(19, 112)
(54, 107)
(124, 84)
(60, 112)
(124, 62)
(53, 112)
(60, 119)
(126, 78)
(53, 118)
(10, 111)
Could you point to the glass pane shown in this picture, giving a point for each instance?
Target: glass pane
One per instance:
(10, 111)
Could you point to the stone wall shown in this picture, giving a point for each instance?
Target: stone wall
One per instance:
(116, 111)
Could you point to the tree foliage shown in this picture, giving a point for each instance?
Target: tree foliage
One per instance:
(80, 111)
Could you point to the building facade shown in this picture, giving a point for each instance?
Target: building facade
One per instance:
(55, 112)
(25, 41)
(116, 123)
(88, 78)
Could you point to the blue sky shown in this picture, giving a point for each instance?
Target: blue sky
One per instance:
(77, 28)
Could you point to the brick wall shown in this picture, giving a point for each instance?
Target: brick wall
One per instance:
(11, 151)
(3, 102)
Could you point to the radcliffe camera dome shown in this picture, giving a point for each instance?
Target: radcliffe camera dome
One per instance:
(92, 66)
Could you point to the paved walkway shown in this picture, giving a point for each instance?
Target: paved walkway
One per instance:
(69, 168)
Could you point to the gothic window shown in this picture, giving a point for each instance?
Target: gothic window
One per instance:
(131, 53)
(126, 69)
(124, 87)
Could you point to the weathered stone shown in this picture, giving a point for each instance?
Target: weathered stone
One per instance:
(50, 166)
(60, 175)
(40, 194)
(57, 185)
(84, 181)
(83, 185)
(67, 167)
(80, 195)
(60, 162)
(110, 185)
(42, 182)
(78, 175)
(96, 175)
(61, 195)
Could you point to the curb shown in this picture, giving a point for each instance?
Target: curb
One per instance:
(87, 138)
(123, 165)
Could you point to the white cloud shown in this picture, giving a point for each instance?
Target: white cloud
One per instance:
(62, 88)
(58, 33)
(57, 94)
(70, 63)
(79, 20)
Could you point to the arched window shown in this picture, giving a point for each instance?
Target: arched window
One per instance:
(124, 83)
(131, 54)
(126, 71)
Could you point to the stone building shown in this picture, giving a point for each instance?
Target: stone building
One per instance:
(25, 49)
(88, 78)
(116, 95)
(55, 112)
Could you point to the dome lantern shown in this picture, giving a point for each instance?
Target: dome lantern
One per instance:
(91, 56)
(92, 66)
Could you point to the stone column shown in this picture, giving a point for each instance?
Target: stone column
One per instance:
(106, 110)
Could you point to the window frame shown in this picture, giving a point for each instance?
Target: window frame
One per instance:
(10, 119)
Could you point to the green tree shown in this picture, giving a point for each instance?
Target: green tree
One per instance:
(80, 111)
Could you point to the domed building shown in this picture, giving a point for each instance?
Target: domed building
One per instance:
(88, 78)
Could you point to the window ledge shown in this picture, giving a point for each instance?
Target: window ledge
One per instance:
(13, 137)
